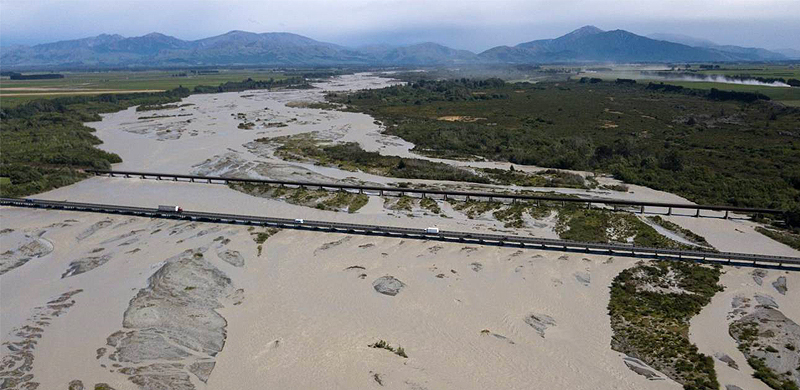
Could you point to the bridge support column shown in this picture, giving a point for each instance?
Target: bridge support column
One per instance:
(175, 178)
(192, 179)
(698, 213)
(726, 214)
(158, 177)
(467, 197)
(360, 190)
(209, 181)
(588, 205)
(641, 210)
(669, 211)
(142, 176)
(127, 176)
(381, 192)
(445, 196)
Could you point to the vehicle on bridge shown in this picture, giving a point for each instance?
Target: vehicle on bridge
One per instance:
(432, 230)
(171, 209)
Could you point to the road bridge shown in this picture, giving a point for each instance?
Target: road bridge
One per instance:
(419, 233)
(662, 207)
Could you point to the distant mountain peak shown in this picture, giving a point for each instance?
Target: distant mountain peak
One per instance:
(585, 30)
(237, 47)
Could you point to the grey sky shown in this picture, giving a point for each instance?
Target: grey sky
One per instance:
(463, 24)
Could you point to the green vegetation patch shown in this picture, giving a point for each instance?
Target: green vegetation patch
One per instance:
(261, 237)
(321, 199)
(399, 351)
(685, 233)
(430, 205)
(595, 225)
(785, 237)
(350, 156)
(650, 319)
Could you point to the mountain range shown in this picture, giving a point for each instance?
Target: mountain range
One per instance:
(587, 44)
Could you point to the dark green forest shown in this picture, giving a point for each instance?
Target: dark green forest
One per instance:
(732, 148)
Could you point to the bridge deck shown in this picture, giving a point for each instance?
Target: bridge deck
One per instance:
(477, 238)
(444, 193)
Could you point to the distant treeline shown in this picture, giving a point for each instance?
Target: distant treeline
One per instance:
(426, 91)
(768, 80)
(236, 86)
(713, 94)
(20, 76)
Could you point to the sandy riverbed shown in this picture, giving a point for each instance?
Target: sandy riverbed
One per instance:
(295, 316)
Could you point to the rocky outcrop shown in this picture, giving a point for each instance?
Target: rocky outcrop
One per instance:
(17, 363)
(780, 285)
(91, 230)
(19, 248)
(725, 358)
(759, 275)
(171, 328)
(85, 264)
(388, 285)
(231, 257)
(583, 278)
(771, 343)
(642, 369)
(539, 322)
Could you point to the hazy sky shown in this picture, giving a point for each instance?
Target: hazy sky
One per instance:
(463, 24)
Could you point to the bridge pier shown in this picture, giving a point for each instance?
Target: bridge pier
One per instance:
(158, 177)
(726, 214)
(698, 213)
(669, 211)
(641, 210)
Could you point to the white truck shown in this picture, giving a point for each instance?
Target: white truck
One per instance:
(171, 209)
(299, 220)
(432, 230)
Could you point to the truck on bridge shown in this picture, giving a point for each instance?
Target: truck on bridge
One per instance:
(171, 209)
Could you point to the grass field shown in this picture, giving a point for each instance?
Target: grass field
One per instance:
(14, 92)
